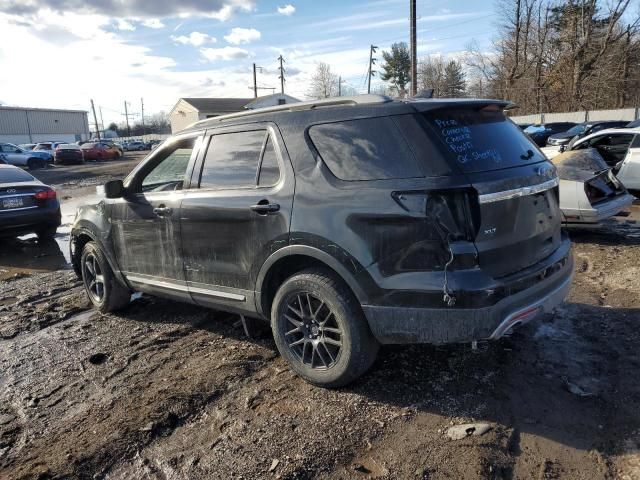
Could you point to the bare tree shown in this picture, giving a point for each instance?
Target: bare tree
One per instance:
(324, 84)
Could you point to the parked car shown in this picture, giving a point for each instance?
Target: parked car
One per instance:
(524, 126)
(136, 146)
(582, 130)
(3, 160)
(620, 149)
(47, 148)
(539, 133)
(27, 205)
(15, 155)
(589, 191)
(345, 223)
(27, 146)
(634, 124)
(99, 151)
(68, 153)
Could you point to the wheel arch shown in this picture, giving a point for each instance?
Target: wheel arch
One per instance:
(289, 260)
(80, 236)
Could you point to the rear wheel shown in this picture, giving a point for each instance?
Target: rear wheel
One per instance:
(36, 163)
(47, 233)
(319, 328)
(103, 289)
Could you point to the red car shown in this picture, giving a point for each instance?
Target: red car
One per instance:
(99, 151)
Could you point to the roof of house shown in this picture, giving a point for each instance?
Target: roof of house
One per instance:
(218, 104)
(259, 100)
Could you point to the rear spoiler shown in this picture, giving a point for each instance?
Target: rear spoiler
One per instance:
(427, 104)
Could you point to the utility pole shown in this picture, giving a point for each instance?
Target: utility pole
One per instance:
(281, 77)
(126, 116)
(414, 55)
(142, 114)
(372, 61)
(101, 119)
(340, 86)
(255, 82)
(95, 119)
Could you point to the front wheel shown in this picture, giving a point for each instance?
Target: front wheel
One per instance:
(319, 328)
(103, 289)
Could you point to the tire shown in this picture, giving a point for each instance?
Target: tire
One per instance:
(47, 234)
(108, 295)
(36, 163)
(320, 329)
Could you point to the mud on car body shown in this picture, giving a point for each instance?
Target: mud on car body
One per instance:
(345, 223)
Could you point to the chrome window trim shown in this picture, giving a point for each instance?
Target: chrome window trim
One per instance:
(518, 192)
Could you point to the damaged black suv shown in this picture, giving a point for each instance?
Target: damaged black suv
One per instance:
(345, 223)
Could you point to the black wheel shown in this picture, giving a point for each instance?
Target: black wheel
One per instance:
(47, 233)
(103, 289)
(36, 163)
(319, 328)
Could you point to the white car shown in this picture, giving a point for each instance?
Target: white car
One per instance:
(589, 191)
(15, 155)
(620, 149)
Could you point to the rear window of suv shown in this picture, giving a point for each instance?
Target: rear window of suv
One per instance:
(365, 149)
(481, 140)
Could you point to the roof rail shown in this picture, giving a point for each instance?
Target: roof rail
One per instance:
(298, 106)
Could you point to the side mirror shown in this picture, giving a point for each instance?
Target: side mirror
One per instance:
(114, 189)
(562, 148)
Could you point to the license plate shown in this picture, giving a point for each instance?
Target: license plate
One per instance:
(12, 203)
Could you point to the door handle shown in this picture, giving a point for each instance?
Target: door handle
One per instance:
(163, 211)
(263, 207)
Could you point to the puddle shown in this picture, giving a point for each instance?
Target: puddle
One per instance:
(26, 254)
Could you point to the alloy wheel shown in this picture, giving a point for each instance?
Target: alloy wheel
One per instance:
(93, 278)
(312, 333)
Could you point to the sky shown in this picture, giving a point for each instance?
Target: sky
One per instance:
(62, 53)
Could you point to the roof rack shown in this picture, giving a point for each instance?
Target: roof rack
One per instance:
(298, 106)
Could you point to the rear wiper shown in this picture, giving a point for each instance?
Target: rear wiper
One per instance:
(527, 156)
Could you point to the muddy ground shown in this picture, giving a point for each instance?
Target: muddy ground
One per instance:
(164, 390)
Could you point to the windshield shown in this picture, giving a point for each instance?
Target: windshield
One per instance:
(43, 146)
(88, 146)
(577, 130)
(481, 140)
(534, 129)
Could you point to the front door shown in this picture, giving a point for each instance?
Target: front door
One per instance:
(146, 226)
(238, 216)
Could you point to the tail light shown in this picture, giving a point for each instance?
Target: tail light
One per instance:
(45, 195)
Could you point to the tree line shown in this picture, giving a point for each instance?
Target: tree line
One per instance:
(548, 56)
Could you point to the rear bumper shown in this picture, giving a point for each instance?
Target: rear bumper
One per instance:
(29, 221)
(599, 212)
(401, 325)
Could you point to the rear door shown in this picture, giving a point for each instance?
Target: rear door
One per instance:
(239, 214)
(518, 203)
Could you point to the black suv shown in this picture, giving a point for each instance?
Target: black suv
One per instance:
(346, 223)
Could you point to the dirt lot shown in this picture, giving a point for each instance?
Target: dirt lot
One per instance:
(165, 390)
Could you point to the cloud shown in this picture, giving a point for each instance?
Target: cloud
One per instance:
(286, 10)
(124, 25)
(238, 36)
(220, 9)
(153, 23)
(224, 53)
(196, 39)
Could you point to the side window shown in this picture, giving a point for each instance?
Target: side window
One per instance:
(269, 169)
(232, 160)
(170, 172)
(366, 149)
(624, 140)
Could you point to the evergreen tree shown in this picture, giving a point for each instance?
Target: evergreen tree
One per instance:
(397, 67)
(454, 79)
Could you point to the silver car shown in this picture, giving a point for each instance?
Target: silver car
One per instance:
(15, 155)
(589, 191)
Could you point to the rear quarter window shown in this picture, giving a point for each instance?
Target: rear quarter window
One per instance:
(365, 149)
(13, 175)
(481, 140)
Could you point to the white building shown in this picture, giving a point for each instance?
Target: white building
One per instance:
(190, 110)
(31, 125)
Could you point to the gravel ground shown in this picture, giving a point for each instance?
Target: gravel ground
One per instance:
(164, 390)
